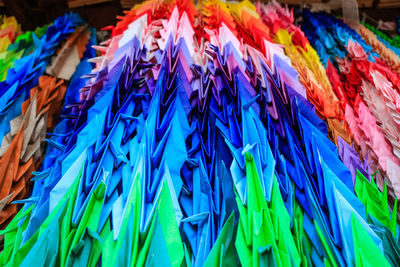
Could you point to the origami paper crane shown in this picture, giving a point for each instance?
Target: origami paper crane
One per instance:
(196, 140)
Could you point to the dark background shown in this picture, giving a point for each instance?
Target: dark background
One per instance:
(33, 13)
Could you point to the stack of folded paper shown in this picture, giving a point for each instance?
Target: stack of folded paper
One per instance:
(9, 30)
(392, 42)
(195, 142)
(369, 93)
(306, 61)
(312, 75)
(31, 104)
(330, 36)
(385, 53)
(387, 48)
(22, 46)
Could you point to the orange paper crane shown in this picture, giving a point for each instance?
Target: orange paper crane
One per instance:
(22, 148)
